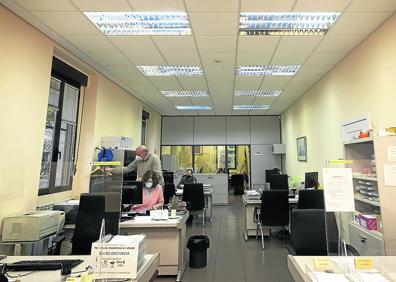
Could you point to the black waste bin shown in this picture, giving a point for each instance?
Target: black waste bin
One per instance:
(198, 246)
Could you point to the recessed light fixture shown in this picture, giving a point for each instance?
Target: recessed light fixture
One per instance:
(258, 93)
(140, 23)
(193, 108)
(268, 70)
(186, 93)
(251, 107)
(170, 70)
(290, 23)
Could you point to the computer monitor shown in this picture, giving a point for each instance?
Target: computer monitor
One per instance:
(278, 182)
(168, 176)
(129, 176)
(132, 193)
(269, 172)
(311, 180)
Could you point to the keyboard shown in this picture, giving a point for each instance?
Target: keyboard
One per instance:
(31, 265)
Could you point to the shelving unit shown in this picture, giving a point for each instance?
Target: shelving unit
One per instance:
(372, 197)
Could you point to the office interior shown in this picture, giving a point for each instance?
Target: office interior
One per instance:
(54, 60)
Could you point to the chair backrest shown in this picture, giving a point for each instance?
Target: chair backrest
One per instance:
(168, 191)
(194, 194)
(168, 176)
(89, 219)
(308, 232)
(310, 199)
(237, 179)
(274, 209)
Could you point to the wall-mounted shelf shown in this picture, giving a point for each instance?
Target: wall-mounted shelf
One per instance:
(360, 140)
(364, 177)
(367, 201)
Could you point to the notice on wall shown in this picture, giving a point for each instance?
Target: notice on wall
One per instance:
(338, 190)
(390, 175)
(392, 153)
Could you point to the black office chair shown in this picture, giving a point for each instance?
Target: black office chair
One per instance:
(168, 191)
(237, 182)
(310, 199)
(274, 211)
(193, 195)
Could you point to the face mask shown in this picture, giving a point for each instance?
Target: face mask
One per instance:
(138, 158)
(148, 185)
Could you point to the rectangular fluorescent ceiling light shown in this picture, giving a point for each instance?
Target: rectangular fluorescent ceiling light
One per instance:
(193, 108)
(286, 23)
(268, 70)
(140, 23)
(251, 107)
(258, 93)
(170, 70)
(187, 93)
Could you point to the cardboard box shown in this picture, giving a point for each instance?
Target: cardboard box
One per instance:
(368, 221)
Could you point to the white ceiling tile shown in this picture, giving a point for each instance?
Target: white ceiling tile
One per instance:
(321, 5)
(91, 43)
(298, 43)
(257, 43)
(165, 83)
(128, 71)
(247, 82)
(102, 6)
(180, 100)
(243, 100)
(225, 59)
(372, 6)
(266, 6)
(221, 44)
(199, 101)
(109, 59)
(313, 70)
(257, 112)
(305, 79)
(46, 5)
(130, 44)
(358, 23)
(338, 44)
(292, 58)
(264, 100)
(324, 59)
(182, 58)
(211, 6)
(153, 58)
(157, 5)
(206, 113)
(218, 89)
(175, 44)
(193, 83)
(214, 24)
(295, 90)
(253, 58)
(275, 82)
(67, 23)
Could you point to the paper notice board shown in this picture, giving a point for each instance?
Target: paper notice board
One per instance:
(338, 190)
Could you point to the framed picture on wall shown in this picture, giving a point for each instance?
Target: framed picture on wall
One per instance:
(198, 150)
(302, 149)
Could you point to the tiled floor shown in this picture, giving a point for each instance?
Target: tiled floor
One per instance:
(232, 259)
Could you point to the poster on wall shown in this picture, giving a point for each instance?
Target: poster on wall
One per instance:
(302, 149)
(338, 190)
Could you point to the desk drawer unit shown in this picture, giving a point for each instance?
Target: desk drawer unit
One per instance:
(366, 243)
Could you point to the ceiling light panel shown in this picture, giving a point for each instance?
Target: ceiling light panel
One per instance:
(258, 93)
(194, 108)
(251, 107)
(140, 23)
(286, 23)
(268, 70)
(188, 93)
(170, 70)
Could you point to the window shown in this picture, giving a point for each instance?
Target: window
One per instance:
(176, 158)
(59, 148)
(145, 119)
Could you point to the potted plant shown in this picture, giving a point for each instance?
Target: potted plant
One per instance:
(174, 204)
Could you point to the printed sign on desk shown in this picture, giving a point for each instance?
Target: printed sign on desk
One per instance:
(338, 190)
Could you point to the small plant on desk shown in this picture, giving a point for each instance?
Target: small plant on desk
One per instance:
(174, 204)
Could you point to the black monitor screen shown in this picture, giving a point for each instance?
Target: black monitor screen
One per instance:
(311, 179)
(132, 193)
(278, 182)
(168, 176)
(269, 172)
(129, 156)
(129, 176)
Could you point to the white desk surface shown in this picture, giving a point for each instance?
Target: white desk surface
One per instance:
(257, 202)
(207, 192)
(145, 272)
(297, 265)
(146, 222)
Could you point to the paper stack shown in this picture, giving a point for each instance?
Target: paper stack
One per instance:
(252, 195)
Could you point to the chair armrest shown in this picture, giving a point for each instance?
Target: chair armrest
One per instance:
(291, 250)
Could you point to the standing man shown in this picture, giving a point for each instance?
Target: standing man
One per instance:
(145, 161)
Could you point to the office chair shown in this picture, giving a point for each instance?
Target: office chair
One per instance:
(274, 211)
(168, 191)
(310, 199)
(193, 195)
(237, 183)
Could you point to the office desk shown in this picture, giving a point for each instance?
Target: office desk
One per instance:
(208, 192)
(297, 266)
(248, 210)
(167, 237)
(145, 273)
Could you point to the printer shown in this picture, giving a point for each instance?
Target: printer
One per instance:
(70, 207)
(32, 226)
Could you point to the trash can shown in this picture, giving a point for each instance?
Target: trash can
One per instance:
(198, 246)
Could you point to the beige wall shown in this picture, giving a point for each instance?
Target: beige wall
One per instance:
(362, 83)
(25, 68)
